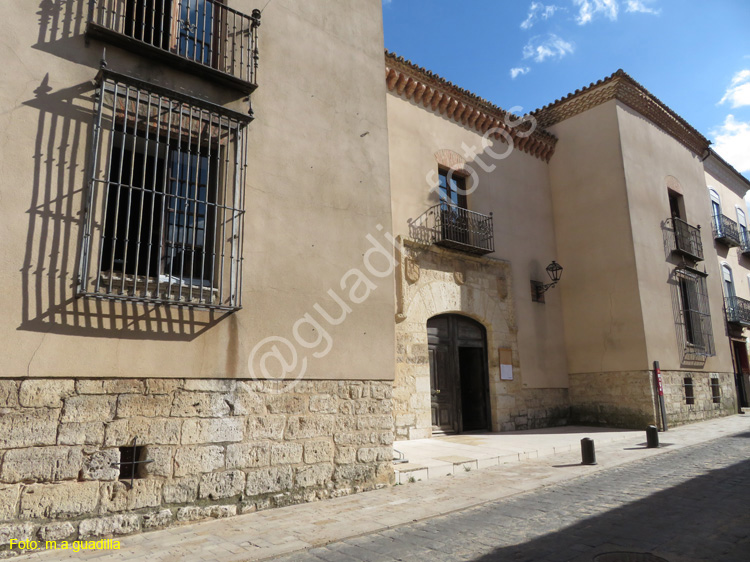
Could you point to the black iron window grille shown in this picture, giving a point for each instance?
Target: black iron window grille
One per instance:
(204, 35)
(452, 226)
(131, 461)
(689, 391)
(737, 310)
(687, 239)
(165, 204)
(715, 390)
(726, 231)
(693, 315)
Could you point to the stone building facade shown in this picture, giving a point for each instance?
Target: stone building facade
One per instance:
(433, 281)
(609, 182)
(235, 274)
(169, 190)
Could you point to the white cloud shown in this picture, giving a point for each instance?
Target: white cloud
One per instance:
(552, 47)
(732, 142)
(739, 90)
(588, 9)
(538, 10)
(641, 7)
(514, 72)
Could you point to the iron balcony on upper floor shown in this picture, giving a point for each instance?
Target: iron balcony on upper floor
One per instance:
(204, 37)
(452, 226)
(726, 231)
(737, 310)
(745, 247)
(687, 239)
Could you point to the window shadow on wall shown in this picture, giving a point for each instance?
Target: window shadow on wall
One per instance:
(50, 265)
(62, 24)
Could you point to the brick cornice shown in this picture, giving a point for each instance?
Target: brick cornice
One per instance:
(622, 87)
(405, 79)
(727, 173)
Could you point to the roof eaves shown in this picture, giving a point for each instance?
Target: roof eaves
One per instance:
(729, 168)
(424, 87)
(623, 87)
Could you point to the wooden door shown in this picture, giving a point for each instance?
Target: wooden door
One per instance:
(459, 382)
(741, 369)
(443, 377)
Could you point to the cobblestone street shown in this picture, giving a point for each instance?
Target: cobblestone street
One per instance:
(684, 505)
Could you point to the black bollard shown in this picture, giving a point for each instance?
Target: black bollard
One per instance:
(652, 437)
(588, 454)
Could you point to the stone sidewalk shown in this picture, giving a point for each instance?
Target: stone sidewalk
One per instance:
(448, 455)
(272, 533)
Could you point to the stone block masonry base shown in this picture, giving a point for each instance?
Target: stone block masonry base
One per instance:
(628, 398)
(219, 448)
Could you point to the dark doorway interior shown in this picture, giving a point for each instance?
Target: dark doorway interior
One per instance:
(741, 369)
(458, 374)
(473, 392)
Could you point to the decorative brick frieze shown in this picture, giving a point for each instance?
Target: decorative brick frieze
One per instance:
(219, 447)
(404, 78)
(622, 87)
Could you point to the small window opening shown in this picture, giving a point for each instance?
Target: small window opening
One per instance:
(452, 188)
(715, 390)
(689, 396)
(131, 462)
(676, 205)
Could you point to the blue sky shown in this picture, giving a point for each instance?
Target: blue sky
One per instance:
(694, 55)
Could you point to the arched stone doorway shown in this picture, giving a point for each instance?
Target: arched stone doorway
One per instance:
(459, 377)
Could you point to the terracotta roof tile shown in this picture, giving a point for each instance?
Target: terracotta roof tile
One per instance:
(404, 78)
(621, 86)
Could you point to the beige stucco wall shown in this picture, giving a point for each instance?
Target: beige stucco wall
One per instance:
(603, 318)
(731, 191)
(317, 184)
(649, 156)
(516, 191)
(609, 179)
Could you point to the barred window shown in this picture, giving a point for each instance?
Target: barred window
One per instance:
(715, 390)
(689, 394)
(164, 217)
(693, 318)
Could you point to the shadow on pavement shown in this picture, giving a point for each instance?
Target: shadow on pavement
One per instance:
(706, 518)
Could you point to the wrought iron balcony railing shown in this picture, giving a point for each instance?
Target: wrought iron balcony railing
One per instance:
(745, 238)
(726, 231)
(202, 36)
(738, 310)
(687, 239)
(454, 227)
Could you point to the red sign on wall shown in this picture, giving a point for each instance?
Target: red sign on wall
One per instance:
(659, 385)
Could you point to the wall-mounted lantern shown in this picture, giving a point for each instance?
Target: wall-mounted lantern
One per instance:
(554, 270)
